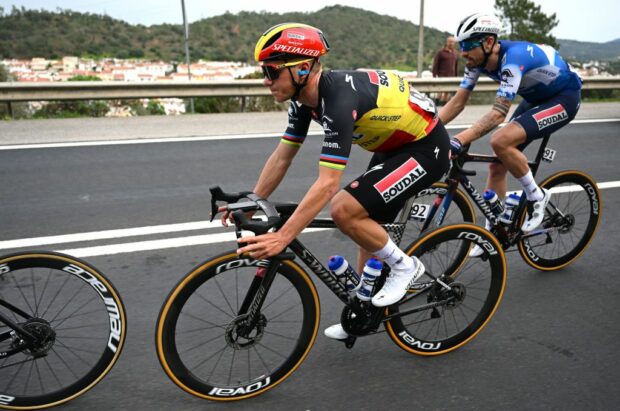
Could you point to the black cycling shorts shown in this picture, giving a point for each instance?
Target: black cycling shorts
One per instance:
(545, 118)
(393, 177)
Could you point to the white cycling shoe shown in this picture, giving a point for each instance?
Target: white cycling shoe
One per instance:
(336, 332)
(397, 284)
(536, 212)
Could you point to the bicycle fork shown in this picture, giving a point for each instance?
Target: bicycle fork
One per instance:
(249, 312)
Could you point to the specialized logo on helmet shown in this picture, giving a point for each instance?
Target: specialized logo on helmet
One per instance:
(296, 50)
(550, 116)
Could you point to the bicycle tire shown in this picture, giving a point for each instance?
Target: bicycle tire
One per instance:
(577, 196)
(448, 327)
(72, 298)
(291, 315)
(423, 201)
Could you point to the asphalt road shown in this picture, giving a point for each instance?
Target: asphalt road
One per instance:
(552, 344)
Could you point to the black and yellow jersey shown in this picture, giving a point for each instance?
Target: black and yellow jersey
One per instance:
(376, 110)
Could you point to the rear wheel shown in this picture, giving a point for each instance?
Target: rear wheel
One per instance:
(570, 221)
(208, 348)
(78, 321)
(437, 318)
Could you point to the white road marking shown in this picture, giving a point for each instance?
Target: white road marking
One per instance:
(216, 138)
(159, 244)
(163, 229)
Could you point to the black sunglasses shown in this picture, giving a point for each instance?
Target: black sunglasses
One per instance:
(272, 71)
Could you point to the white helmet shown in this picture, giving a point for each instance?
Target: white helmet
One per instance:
(478, 25)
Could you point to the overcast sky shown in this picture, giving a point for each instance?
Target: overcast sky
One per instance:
(593, 20)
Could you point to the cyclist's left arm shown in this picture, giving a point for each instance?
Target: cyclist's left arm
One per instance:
(486, 123)
(510, 74)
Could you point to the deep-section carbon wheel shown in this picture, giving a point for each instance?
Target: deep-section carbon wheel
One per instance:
(437, 317)
(77, 320)
(570, 221)
(211, 350)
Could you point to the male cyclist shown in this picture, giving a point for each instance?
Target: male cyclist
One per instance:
(551, 97)
(375, 110)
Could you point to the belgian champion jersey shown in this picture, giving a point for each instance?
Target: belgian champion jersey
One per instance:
(376, 110)
(536, 72)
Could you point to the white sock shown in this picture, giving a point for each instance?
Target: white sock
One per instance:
(532, 191)
(395, 257)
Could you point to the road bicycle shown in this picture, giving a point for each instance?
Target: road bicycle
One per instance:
(62, 328)
(570, 222)
(235, 327)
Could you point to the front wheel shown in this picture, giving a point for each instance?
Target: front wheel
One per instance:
(78, 321)
(210, 349)
(440, 316)
(571, 219)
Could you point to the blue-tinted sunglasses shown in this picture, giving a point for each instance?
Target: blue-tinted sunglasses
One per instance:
(469, 44)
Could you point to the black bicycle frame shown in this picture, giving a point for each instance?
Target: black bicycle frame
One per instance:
(458, 175)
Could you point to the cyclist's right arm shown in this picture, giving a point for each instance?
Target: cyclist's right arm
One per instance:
(275, 169)
(273, 172)
(457, 103)
(280, 160)
(454, 106)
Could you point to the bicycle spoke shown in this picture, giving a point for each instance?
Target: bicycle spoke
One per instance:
(216, 307)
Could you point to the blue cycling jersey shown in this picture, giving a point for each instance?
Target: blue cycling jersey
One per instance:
(536, 72)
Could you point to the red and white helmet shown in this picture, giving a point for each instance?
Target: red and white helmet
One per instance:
(289, 41)
(478, 25)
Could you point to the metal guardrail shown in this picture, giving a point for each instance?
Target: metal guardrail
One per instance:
(110, 90)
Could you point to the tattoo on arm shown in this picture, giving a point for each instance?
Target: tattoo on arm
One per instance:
(484, 125)
(491, 119)
(502, 105)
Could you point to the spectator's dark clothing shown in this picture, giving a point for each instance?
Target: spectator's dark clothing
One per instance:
(445, 63)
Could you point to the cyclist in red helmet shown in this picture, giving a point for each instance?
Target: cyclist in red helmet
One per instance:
(376, 110)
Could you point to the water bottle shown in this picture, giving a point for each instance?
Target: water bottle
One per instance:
(494, 202)
(512, 201)
(338, 265)
(372, 271)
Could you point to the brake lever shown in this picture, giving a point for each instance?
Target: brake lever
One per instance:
(217, 194)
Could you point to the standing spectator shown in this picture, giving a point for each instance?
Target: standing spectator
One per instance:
(446, 64)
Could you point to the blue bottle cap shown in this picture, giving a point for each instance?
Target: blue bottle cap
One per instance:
(374, 263)
(488, 194)
(334, 262)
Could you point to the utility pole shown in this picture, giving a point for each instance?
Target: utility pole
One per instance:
(421, 39)
(187, 60)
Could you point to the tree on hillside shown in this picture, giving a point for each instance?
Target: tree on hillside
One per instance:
(524, 21)
(4, 73)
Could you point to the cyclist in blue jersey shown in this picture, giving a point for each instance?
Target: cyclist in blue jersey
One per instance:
(551, 94)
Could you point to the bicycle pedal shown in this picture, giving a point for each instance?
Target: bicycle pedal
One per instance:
(349, 342)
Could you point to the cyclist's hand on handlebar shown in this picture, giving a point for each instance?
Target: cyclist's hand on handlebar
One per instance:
(456, 147)
(263, 246)
(227, 216)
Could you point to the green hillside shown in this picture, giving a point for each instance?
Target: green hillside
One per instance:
(358, 38)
